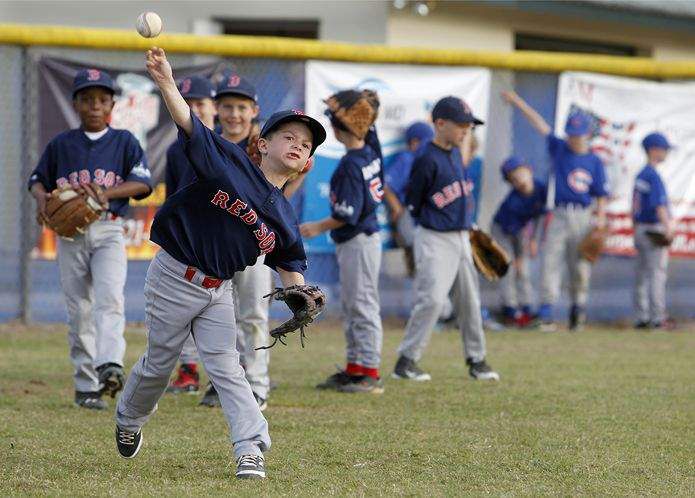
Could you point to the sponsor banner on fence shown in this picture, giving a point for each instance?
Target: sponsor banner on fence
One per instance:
(624, 111)
(407, 94)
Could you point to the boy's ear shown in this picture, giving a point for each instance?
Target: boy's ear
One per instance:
(263, 145)
(256, 110)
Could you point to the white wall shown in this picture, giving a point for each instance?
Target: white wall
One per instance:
(352, 21)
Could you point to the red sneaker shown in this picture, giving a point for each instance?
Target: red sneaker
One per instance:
(524, 320)
(186, 381)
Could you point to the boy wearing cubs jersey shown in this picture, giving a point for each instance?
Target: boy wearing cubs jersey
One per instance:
(524, 203)
(577, 178)
(439, 198)
(355, 194)
(651, 213)
(232, 214)
(93, 265)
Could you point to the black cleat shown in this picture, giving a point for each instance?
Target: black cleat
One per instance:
(262, 402)
(480, 370)
(577, 319)
(112, 378)
(128, 443)
(340, 378)
(90, 400)
(642, 325)
(250, 467)
(408, 369)
(363, 384)
(210, 398)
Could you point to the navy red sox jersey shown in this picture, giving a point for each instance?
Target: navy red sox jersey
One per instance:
(72, 158)
(230, 216)
(517, 209)
(649, 193)
(356, 192)
(578, 177)
(179, 173)
(440, 194)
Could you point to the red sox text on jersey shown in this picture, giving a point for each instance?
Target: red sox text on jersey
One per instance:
(451, 192)
(265, 236)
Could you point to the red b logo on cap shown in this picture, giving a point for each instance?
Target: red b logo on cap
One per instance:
(93, 75)
(234, 80)
(298, 112)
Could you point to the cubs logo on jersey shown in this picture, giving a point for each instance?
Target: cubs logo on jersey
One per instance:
(579, 180)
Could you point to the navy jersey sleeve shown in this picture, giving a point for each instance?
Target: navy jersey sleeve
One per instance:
(135, 168)
(419, 184)
(599, 185)
(44, 173)
(289, 259)
(170, 180)
(347, 195)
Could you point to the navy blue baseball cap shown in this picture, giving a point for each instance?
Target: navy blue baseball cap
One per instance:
(234, 84)
(196, 87)
(318, 132)
(86, 78)
(454, 109)
(578, 123)
(511, 164)
(419, 130)
(655, 141)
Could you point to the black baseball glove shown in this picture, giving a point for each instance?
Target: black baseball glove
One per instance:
(305, 301)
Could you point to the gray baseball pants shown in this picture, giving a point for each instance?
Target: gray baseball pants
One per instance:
(515, 286)
(440, 258)
(93, 271)
(652, 265)
(359, 261)
(251, 310)
(565, 231)
(173, 307)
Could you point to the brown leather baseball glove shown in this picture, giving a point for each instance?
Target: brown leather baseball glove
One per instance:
(355, 110)
(591, 246)
(490, 259)
(659, 239)
(70, 211)
(305, 301)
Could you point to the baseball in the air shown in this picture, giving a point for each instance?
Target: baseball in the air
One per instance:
(149, 24)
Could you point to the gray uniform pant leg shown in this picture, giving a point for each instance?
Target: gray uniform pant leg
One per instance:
(93, 270)
(405, 225)
(579, 269)
(508, 283)
(437, 257)
(652, 265)
(252, 312)
(189, 353)
(173, 307)
(553, 255)
(470, 318)
(359, 262)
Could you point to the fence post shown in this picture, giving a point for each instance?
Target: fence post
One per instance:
(28, 225)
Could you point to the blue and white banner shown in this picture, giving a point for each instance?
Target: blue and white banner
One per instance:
(407, 94)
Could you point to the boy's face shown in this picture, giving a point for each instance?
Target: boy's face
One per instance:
(93, 106)
(657, 155)
(579, 144)
(289, 145)
(450, 132)
(521, 179)
(413, 144)
(204, 109)
(236, 114)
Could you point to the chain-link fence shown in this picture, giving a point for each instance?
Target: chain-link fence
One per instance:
(29, 283)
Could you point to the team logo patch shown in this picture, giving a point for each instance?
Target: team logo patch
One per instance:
(298, 112)
(233, 81)
(93, 75)
(579, 180)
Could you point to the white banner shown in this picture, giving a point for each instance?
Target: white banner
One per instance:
(625, 111)
(406, 93)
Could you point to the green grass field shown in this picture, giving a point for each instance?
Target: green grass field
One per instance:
(598, 413)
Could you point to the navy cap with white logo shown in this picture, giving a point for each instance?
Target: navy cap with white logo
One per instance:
(454, 109)
(234, 84)
(318, 132)
(86, 78)
(196, 87)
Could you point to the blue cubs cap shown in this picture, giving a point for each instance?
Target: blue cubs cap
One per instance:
(511, 164)
(578, 123)
(196, 87)
(454, 109)
(654, 141)
(234, 84)
(318, 132)
(86, 78)
(419, 130)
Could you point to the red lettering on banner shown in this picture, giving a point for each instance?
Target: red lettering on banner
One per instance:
(250, 217)
(220, 199)
(236, 207)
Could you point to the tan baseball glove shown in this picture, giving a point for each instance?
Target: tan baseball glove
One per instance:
(490, 259)
(70, 211)
(591, 246)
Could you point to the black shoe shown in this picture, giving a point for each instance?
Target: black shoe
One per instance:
(408, 369)
(641, 325)
(90, 400)
(211, 398)
(112, 378)
(128, 443)
(577, 318)
(250, 467)
(480, 370)
(340, 378)
(262, 402)
(363, 384)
